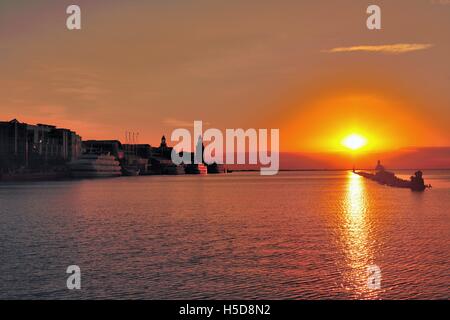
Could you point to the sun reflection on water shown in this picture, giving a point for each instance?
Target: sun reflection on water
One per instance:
(357, 249)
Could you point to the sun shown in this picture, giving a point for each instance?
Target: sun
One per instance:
(354, 141)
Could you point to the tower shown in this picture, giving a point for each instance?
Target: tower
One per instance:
(163, 142)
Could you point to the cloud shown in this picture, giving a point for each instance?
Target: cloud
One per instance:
(388, 48)
(441, 2)
(86, 92)
(177, 123)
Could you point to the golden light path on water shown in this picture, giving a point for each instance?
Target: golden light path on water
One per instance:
(358, 252)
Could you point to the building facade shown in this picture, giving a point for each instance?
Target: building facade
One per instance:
(13, 145)
(25, 146)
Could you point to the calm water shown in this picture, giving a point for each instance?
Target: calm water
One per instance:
(292, 236)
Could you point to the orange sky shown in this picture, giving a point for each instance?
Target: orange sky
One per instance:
(150, 67)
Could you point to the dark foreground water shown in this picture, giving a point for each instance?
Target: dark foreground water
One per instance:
(306, 235)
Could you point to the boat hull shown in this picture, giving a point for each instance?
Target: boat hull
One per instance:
(389, 179)
(95, 166)
(95, 174)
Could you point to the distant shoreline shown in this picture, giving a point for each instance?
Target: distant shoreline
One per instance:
(350, 169)
(64, 176)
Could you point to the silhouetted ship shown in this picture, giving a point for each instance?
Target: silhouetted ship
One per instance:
(196, 169)
(95, 165)
(382, 176)
(215, 168)
(130, 171)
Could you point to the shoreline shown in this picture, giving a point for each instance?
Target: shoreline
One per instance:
(327, 170)
(65, 176)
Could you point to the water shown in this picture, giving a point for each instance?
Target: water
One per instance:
(299, 235)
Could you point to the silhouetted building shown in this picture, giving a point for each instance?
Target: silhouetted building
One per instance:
(13, 145)
(163, 150)
(53, 145)
(161, 160)
(163, 142)
(140, 150)
(36, 146)
(113, 147)
(138, 156)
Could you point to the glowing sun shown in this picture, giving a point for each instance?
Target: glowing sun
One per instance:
(354, 141)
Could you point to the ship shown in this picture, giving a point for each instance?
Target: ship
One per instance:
(196, 169)
(384, 177)
(130, 171)
(174, 170)
(215, 168)
(95, 165)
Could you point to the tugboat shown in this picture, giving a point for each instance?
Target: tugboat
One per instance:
(417, 182)
(382, 176)
(196, 169)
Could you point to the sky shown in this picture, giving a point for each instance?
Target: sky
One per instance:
(309, 68)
